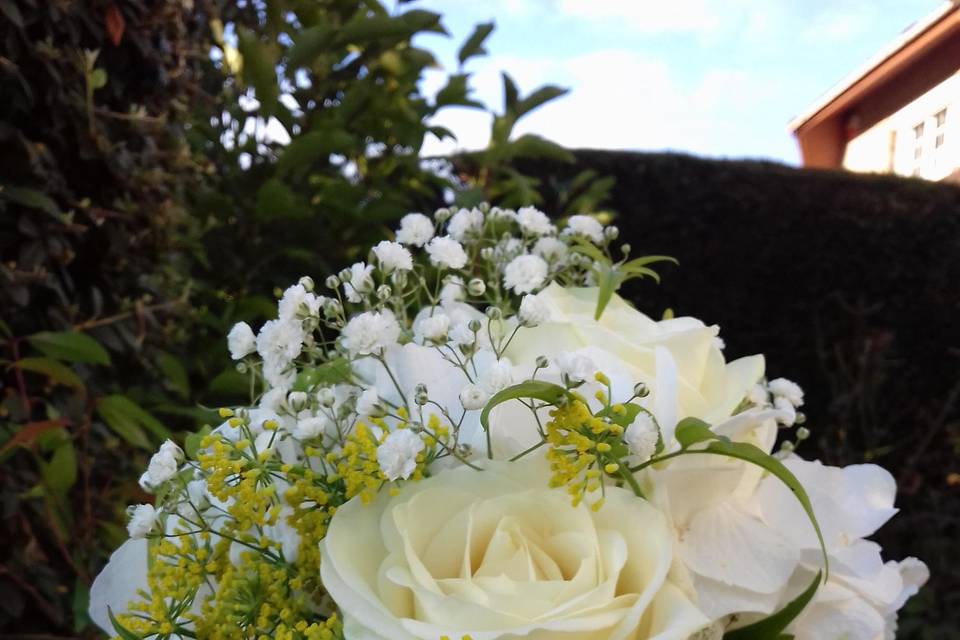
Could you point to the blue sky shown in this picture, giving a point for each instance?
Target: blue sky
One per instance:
(717, 78)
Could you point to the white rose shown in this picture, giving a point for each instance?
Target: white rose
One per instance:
(497, 555)
(677, 359)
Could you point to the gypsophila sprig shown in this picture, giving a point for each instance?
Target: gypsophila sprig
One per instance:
(437, 435)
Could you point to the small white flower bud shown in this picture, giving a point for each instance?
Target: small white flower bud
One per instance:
(297, 400)
(384, 292)
(345, 275)
(332, 282)
(542, 362)
(476, 287)
(474, 325)
(611, 232)
(487, 253)
(307, 283)
(640, 390)
(442, 214)
(494, 313)
(803, 433)
(325, 396)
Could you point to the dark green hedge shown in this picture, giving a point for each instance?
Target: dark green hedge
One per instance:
(850, 285)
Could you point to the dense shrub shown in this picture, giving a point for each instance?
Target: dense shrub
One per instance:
(145, 209)
(850, 285)
(95, 96)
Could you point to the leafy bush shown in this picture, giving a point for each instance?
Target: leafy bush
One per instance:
(92, 179)
(145, 209)
(850, 284)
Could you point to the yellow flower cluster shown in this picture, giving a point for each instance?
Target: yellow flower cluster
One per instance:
(195, 586)
(580, 450)
(356, 464)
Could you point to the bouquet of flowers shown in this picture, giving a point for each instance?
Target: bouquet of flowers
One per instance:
(472, 436)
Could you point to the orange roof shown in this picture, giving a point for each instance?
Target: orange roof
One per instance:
(911, 44)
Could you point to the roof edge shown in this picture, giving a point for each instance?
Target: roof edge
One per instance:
(907, 36)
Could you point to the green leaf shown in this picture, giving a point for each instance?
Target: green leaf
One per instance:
(474, 44)
(277, 200)
(60, 473)
(191, 445)
(510, 94)
(540, 97)
(771, 627)
(333, 372)
(98, 79)
(608, 282)
(690, 431)
(122, 631)
(129, 420)
(533, 146)
(10, 10)
(31, 198)
(645, 260)
(590, 250)
(754, 455)
(71, 346)
(309, 44)
(174, 373)
(535, 389)
(363, 29)
(306, 149)
(53, 369)
(456, 92)
(229, 383)
(259, 69)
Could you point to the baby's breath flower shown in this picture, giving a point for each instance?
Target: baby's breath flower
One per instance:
(368, 403)
(241, 341)
(497, 376)
(290, 304)
(577, 367)
(369, 332)
(525, 273)
(587, 227)
(397, 454)
(393, 256)
(473, 397)
(446, 252)
(310, 427)
(534, 221)
(163, 466)
(465, 223)
(641, 437)
(550, 249)
(533, 311)
(359, 283)
(433, 328)
(415, 229)
(789, 412)
(787, 389)
(453, 290)
(143, 518)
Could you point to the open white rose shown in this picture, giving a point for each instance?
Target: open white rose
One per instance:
(677, 359)
(496, 555)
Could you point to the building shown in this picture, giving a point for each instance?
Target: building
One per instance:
(900, 113)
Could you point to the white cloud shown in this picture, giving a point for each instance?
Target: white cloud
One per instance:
(650, 16)
(619, 100)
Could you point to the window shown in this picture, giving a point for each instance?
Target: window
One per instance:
(940, 117)
(918, 131)
(917, 153)
(939, 142)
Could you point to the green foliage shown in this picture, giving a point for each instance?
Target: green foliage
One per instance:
(771, 627)
(145, 208)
